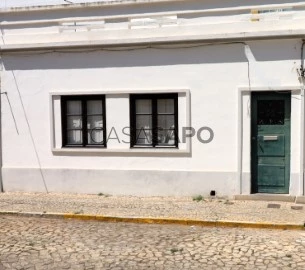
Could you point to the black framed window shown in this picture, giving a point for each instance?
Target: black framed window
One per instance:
(154, 120)
(83, 121)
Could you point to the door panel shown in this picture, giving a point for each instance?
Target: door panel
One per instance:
(271, 175)
(270, 150)
(271, 145)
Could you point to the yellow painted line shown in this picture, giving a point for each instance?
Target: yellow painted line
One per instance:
(173, 221)
(189, 222)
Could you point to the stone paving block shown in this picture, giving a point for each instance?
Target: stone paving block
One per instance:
(143, 246)
(296, 207)
(274, 205)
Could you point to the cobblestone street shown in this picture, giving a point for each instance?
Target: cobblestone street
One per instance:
(39, 243)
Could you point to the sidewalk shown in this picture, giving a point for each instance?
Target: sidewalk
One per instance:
(216, 211)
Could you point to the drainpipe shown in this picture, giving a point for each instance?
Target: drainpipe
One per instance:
(1, 157)
(302, 146)
(301, 191)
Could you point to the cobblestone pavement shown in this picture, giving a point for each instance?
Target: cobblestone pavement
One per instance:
(158, 207)
(40, 243)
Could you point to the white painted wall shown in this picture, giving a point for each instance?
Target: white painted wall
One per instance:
(212, 75)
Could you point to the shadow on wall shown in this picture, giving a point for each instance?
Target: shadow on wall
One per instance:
(275, 50)
(138, 9)
(98, 58)
(134, 58)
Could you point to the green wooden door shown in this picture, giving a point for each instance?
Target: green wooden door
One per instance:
(270, 150)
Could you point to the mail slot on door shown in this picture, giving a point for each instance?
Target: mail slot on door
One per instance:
(271, 145)
(270, 138)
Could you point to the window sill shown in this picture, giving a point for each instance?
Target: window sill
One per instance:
(154, 147)
(131, 151)
(83, 147)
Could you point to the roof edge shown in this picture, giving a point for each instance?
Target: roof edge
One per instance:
(225, 38)
(82, 5)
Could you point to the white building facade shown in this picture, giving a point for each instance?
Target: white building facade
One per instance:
(153, 98)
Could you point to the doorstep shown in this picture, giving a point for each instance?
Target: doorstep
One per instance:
(300, 199)
(268, 197)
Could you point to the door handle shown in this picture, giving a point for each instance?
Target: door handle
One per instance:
(270, 138)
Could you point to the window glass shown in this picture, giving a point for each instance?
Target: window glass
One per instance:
(166, 106)
(95, 121)
(166, 136)
(95, 136)
(144, 136)
(74, 107)
(83, 121)
(271, 112)
(143, 106)
(94, 107)
(144, 121)
(74, 122)
(154, 120)
(166, 121)
(74, 137)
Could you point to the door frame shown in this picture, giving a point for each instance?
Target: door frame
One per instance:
(272, 95)
(243, 182)
(1, 157)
